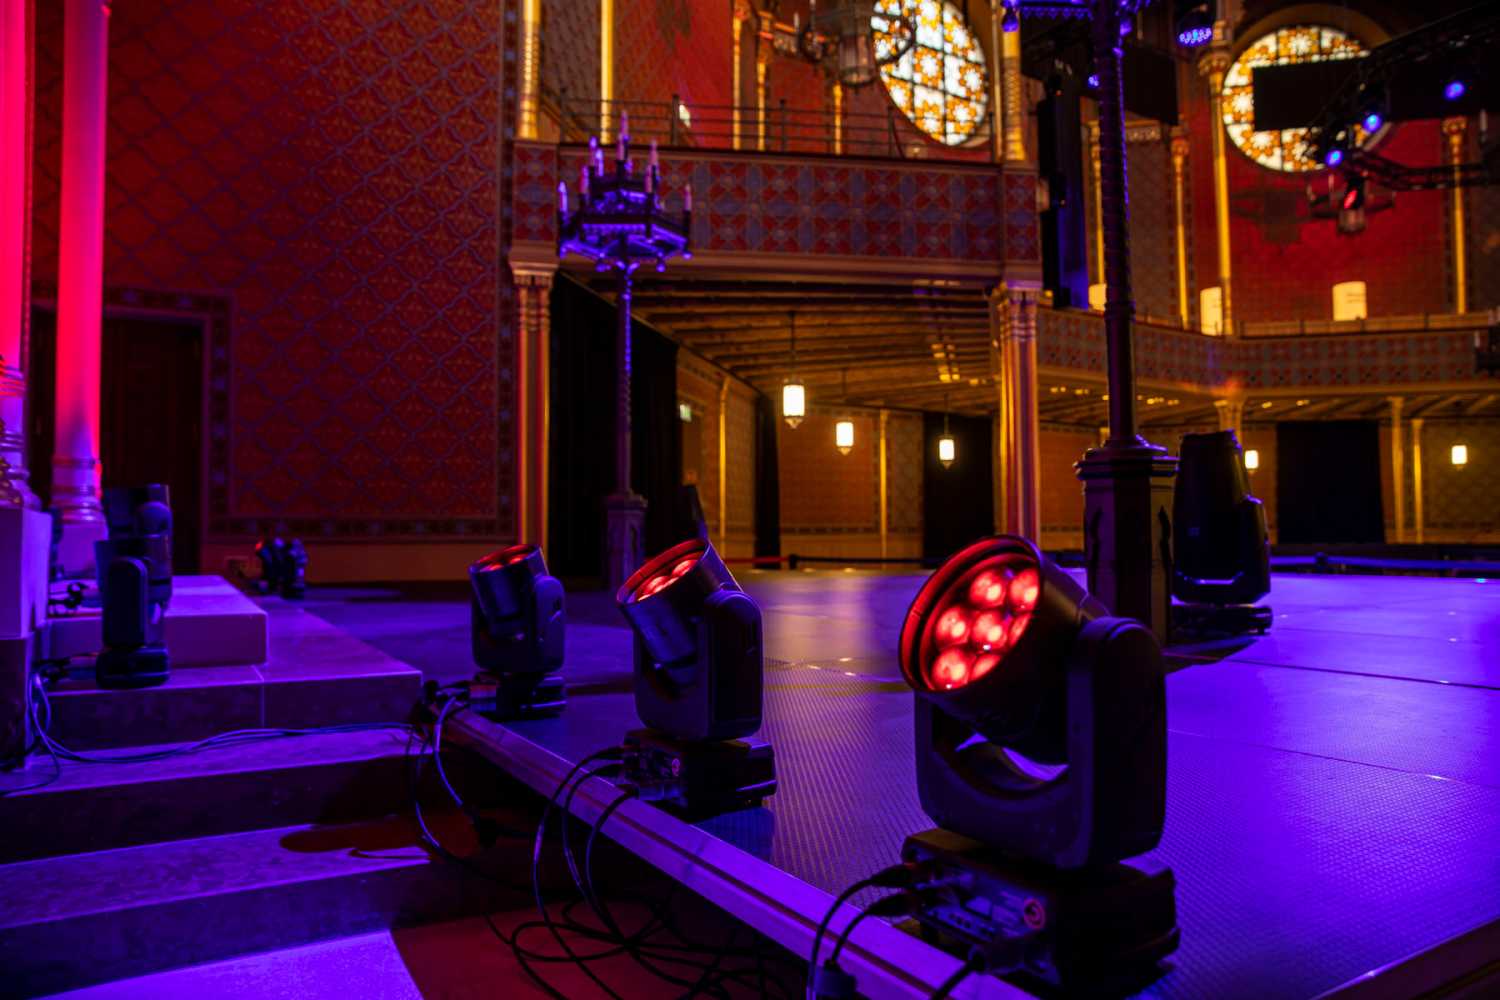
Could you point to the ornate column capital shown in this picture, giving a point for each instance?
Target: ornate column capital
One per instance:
(1215, 59)
(1180, 146)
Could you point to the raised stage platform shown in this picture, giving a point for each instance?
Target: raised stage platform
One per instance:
(1334, 787)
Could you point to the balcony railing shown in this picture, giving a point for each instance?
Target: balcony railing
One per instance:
(784, 129)
(1413, 323)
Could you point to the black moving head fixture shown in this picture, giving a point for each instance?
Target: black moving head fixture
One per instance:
(283, 567)
(135, 581)
(1041, 746)
(1041, 721)
(517, 626)
(1221, 554)
(698, 677)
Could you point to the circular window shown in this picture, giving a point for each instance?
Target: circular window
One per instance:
(1285, 149)
(940, 82)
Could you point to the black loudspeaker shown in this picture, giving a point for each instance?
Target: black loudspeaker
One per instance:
(1221, 556)
(1064, 223)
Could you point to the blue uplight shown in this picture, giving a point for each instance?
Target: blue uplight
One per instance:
(1454, 90)
(1094, 80)
(1193, 37)
(1373, 121)
(1334, 157)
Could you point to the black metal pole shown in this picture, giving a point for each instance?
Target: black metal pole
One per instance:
(1114, 211)
(622, 395)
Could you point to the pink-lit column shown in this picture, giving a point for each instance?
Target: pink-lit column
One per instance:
(80, 281)
(15, 54)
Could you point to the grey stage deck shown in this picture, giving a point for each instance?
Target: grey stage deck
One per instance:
(1334, 788)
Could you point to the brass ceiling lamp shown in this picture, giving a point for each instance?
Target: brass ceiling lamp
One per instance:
(843, 431)
(793, 393)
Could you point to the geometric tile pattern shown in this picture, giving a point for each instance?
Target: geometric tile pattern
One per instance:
(1153, 248)
(745, 204)
(331, 169)
(570, 50)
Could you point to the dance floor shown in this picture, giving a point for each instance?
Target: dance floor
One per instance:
(1333, 808)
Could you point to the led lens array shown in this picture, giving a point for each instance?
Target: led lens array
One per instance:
(660, 581)
(981, 619)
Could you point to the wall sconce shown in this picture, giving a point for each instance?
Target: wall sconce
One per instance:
(1459, 456)
(843, 436)
(1252, 459)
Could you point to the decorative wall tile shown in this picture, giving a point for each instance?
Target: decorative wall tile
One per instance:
(330, 171)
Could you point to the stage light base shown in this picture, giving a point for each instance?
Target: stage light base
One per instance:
(1090, 929)
(146, 666)
(699, 779)
(517, 696)
(1221, 619)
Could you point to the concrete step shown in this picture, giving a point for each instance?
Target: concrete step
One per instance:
(210, 622)
(316, 675)
(74, 921)
(336, 778)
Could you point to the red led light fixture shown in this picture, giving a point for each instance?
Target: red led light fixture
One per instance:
(517, 630)
(1040, 719)
(698, 658)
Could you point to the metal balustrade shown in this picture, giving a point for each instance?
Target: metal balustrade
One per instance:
(784, 129)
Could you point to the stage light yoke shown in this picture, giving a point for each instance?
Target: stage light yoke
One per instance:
(1040, 737)
(518, 626)
(698, 682)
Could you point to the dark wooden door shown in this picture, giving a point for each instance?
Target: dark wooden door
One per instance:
(150, 414)
(151, 418)
(1328, 482)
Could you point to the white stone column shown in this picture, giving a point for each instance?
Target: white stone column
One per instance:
(14, 302)
(80, 281)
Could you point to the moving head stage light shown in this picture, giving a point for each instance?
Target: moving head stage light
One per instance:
(1041, 753)
(517, 624)
(283, 567)
(135, 582)
(1221, 555)
(698, 674)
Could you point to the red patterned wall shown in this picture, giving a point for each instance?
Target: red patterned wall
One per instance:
(331, 169)
(666, 47)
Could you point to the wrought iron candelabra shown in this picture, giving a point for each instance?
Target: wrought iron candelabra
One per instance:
(620, 221)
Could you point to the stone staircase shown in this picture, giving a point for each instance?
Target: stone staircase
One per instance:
(118, 870)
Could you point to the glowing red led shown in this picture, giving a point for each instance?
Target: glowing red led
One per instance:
(656, 584)
(507, 557)
(989, 589)
(951, 669)
(990, 629)
(1025, 589)
(984, 665)
(952, 627)
(1017, 626)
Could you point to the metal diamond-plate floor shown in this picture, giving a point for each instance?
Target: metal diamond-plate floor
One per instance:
(1334, 787)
